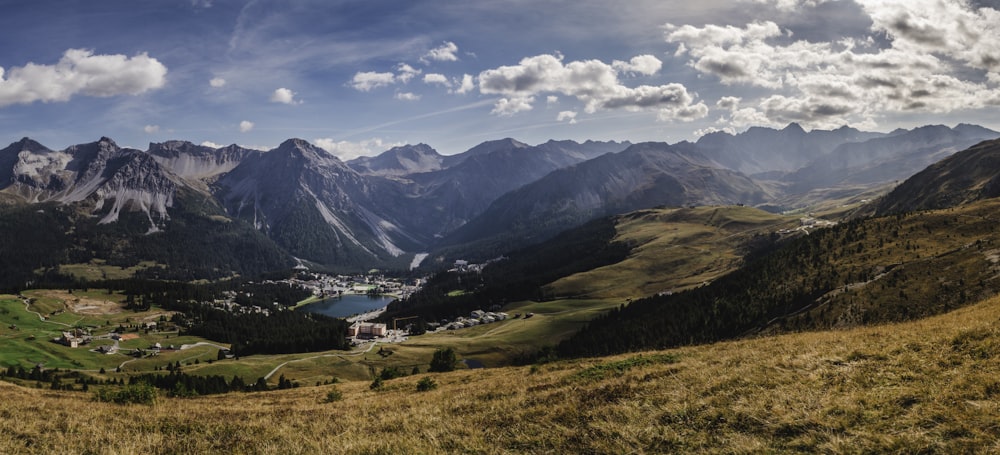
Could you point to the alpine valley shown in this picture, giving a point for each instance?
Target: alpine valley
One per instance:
(183, 211)
(772, 291)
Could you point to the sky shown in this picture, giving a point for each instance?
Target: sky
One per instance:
(357, 77)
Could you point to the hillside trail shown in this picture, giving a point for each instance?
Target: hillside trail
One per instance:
(354, 354)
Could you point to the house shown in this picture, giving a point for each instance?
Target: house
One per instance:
(70, 339)
(367, 330)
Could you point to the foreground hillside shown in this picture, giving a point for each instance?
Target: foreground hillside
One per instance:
(929, 386)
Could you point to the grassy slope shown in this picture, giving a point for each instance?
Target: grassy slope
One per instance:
(675, 249)
(924, 386)
(31, 342)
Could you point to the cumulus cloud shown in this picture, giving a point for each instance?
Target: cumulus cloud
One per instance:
(566, 116)
(407, 96)
(641, 64)
(466, 85)
(443, 53)
(593, 82)
(506, 107)
(81, 72)
(367, 80)
(246, 126)
(284, 96)
(346, 150)
(217, 82)
(937, 56)
(551, 99)
(434, 78)
(406, 72)
(150, 129)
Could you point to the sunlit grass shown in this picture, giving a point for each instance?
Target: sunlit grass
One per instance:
(924, 386)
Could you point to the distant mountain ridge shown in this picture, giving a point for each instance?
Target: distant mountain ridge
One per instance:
(642, 176)
(379, 211)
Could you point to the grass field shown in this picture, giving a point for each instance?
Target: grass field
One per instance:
(97, 270)
(675, 249)
(929, 386)
(493, 344)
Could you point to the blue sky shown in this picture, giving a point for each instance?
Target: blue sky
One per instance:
(358, 77)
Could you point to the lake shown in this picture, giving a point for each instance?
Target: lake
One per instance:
(347, 305)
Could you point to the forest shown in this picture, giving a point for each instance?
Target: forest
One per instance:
(518, 276)
(865, 271)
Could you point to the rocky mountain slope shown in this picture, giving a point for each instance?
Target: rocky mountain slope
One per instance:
(642, 176)
(380, 211)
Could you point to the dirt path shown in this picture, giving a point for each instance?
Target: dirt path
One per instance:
(353, 354)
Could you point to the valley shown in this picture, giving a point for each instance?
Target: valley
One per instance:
(637, 279)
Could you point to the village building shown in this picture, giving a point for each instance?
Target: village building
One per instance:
(70, 339)
(367, 330)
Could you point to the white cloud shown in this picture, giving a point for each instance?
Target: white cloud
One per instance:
(434, 78)
(246, 126)
(407, 96)
(591, 81)
(729, 103)
(567, 115)
(443, 53)
(217, 82)
(367, 80)
(211, 144)
(642, 64)
(937, 56)
(406, 72)
(551, 99)
(150, 129)
(506, 107)
(81, 72)
(466, 85)
(284, 96)
(346, 150)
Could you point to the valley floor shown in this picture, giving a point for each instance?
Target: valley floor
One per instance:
(930, 386)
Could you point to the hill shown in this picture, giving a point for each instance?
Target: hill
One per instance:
(864, 271)
(964, 177)
(927, 386)
(674, 249)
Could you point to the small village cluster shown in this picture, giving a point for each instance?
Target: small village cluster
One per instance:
(475, 318)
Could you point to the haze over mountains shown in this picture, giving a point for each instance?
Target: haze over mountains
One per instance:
(379, 211)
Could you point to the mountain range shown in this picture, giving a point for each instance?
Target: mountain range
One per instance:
(309, 206)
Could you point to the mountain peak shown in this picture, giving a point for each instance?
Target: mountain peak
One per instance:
(793, 128)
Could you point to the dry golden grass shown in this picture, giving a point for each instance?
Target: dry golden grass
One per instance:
(930, 386)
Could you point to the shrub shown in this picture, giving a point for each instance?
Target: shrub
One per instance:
(334, 395)
(426, 384)
(141, 393)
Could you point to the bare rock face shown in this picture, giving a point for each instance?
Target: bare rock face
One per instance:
(312, 203)
(198, 162)
(99, 175)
